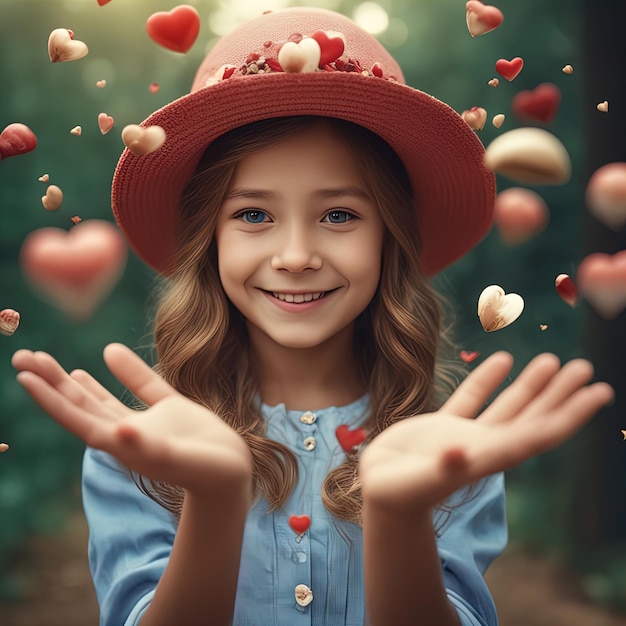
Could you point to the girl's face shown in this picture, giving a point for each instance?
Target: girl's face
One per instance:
(299, 241)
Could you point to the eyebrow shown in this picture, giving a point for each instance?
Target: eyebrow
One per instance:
(263, 194)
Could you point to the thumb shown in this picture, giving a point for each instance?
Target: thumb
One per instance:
(136, 375)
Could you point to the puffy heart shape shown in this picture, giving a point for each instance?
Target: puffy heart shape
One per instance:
(105, 123)
(498, 120)
(101, 84)
(9, 321)
(603, 106)
(475, 118)
(76, 131)
(601, 279)
(4, 447)
(531, 156)
(299, 523)
(519, 215)
(53, 198)
(76, 270)
(300, 57)
(175, 30)
(350, 439)
(481, 18)
(331, 45)
(44, 178)
(468, 357)
(16, 139)
(606, 195)
(539, 104)
(566, 289)
(497, 310)
(509, 69)
(63, 47)
(143, 140)
(103, 2)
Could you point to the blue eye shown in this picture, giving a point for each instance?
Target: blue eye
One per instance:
(252, 216)
(339, 217)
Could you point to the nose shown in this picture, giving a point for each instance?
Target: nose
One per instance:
(296, 251)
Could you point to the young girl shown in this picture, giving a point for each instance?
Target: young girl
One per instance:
(298, 460)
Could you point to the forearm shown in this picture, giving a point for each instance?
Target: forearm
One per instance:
(402, 570)
(200, 581)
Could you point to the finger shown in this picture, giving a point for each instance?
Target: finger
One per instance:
(106, 399)
(471, 395)
(530, 382)
(136, 375)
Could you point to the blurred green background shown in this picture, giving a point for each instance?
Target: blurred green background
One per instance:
(570, 501)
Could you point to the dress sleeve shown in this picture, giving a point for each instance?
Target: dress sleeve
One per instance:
(130, 539)
(473, 535)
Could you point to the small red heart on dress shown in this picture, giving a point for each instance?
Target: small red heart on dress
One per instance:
(468, 357)
(519, 214)
(539, 104)
(141, 141)
(481, 18)
(300, 523)
(601, 279)
(16, 139)
(175, 30)
(105, 123)
(63, 47)
(331, 44)
(566, 288)
(9, 321)
(349, 439)
(606, 195)
(509, 69)
(74, 270)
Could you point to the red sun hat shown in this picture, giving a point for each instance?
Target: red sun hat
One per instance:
(331, 68)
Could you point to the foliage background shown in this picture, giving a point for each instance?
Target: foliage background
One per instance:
(39, 475)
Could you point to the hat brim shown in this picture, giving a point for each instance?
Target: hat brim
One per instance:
(454, 191)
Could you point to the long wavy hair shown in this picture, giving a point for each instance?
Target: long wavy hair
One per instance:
(201, 339)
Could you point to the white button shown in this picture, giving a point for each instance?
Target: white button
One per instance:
(309, 443)
(308, 418)
(304, 596)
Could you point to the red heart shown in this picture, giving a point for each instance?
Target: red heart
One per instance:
(349, 439)
(16, 139)
(566, 288)
(300, 523)
(103, 2)
(468, 357)
(176, 29)
(539, 104)
(601, 279)
(509, 69)
(331, 47)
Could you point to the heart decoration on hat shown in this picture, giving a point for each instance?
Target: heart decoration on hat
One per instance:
(509, 69)
(519, 215)
(303, 56)
(497, 310)
(331, 46)
(299, 523)
(481, 18)
(350, 439)
(566, 289)
(16, 139)
(74, 270)
(539, 104)
(601, 279)
(606, 195)
(63, 47)
(175, 30)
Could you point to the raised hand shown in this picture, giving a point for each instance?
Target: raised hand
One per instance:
(420, 461)
(174, 440)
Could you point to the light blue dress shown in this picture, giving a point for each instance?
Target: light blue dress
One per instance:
(131, 538)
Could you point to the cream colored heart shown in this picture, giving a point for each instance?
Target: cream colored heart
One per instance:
(44, 178)
(76, 131)
(53, 198)
(9, 321)
(300, 57)
(603, 107)
(63, 47)
(475, 118)
(101, 84)
(498, 120)
(497, 310)
(143, 140)
(105, 123)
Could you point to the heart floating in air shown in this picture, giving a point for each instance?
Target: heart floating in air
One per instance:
(509, 69)
(475, 118)
(539, 104)
(481, 18)
(468, 357)
(299, 523)
(142, 140)
(497, 310)
(105, 123)
(519, 215)
(76, 270)
(16, 139)
(175, 30)
(566, 288)
(103, 2)
(606, 195)
(9, 321)
(350, 439)
(331, 46)
(601, 279)
(63, 47)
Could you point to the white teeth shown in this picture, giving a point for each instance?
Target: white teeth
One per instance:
(298, 297)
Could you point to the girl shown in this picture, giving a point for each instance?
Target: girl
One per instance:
(298, 460)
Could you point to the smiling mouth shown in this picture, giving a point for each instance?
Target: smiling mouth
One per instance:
(299, 298)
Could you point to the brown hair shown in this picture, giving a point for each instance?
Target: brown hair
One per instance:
(201, 340)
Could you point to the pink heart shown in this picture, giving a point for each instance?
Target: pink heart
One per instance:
(601, 279)
(331, 45)
(74, 270)
(16, 139)
(519, 214)
(606, 195)
(105, 123)
(175, 30)
(539, 104)
(475, 118)
(9, 321)
(481, 18)
(103, 2)
(468, 357)
(509, 69)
